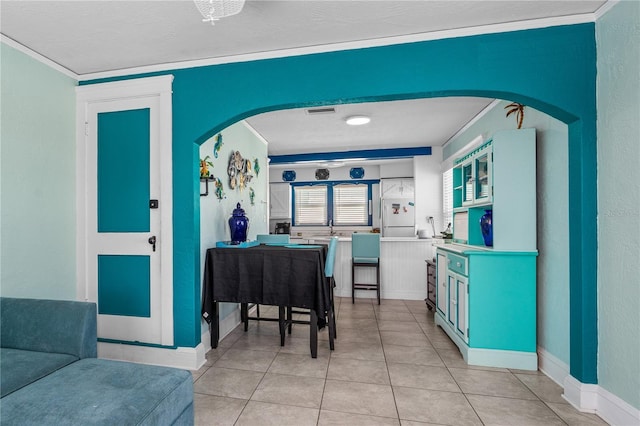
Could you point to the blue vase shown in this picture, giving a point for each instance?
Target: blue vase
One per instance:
(486, 226)
(238, 225)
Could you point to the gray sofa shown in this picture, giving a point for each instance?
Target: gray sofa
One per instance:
(49, 373)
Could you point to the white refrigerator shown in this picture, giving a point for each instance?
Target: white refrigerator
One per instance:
(398, 217)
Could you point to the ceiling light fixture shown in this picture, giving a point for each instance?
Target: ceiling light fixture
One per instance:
(357, 120)
(213, 10)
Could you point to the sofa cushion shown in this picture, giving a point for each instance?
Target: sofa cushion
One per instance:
(18, 368)
(59, 326)
(103, 392)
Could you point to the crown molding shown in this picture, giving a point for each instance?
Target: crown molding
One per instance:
(333, 47)
(360, 44)
(474, 120)
(602, 10)
(38, 57)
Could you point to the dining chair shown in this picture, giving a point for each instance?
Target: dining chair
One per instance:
(273, 238)
(244, 308)
(331, 283)
(330, 314)
(365, 253)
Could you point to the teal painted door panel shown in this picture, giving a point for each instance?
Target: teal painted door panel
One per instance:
(123, 171)
(124, 285)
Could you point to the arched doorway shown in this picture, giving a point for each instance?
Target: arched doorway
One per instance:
(551, 70)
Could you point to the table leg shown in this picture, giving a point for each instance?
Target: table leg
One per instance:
(282, 323)
(214, 327)
(332, 328)
(244, 315)
(313, 333)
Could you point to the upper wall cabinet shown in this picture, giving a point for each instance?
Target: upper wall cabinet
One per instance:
(473, 183)
(280, 201)
(499, 176)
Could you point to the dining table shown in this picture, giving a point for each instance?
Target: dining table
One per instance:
(283, 275)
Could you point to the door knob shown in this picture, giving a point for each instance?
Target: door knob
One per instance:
(152, 241)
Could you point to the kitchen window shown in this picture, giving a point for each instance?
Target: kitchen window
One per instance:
(447, 196)
(310, 205)
(342, 203)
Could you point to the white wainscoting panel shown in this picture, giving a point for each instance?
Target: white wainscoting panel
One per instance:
(403, 271)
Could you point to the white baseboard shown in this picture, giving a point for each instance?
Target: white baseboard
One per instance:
(595, 399)
(588, 398)
(500, 358)
(553, 367)
(385, 294)
(186, 358)
(227, 325)
(616, 411)
(583, 396)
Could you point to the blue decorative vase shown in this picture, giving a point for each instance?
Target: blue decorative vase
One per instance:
(486, 226)
(238, 225)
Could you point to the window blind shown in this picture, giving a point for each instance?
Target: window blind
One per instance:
(350, 205)
(447, 196)
(311, 205)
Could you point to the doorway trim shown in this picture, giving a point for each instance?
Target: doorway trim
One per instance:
(160, 87)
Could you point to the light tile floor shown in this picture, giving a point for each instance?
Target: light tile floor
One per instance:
(391, 366)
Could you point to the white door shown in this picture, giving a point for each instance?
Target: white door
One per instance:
(462, 323)
(441, 283)
(126, 156)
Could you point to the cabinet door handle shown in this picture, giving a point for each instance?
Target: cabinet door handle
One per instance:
(458, 264)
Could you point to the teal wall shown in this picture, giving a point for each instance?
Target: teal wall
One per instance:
(550, 69)
(552, 218)
(215, 213)
(618, 38)
(37, 175)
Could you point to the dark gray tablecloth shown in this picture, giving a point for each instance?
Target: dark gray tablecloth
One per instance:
(267, 275)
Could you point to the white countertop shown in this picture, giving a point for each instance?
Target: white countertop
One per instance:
(382, 239)
(469, 249)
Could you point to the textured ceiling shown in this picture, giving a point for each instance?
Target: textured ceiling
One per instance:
(93, 36)
(88, 37)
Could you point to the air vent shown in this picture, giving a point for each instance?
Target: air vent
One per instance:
(327, 110)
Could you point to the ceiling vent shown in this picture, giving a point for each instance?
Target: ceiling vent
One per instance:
(327, 110)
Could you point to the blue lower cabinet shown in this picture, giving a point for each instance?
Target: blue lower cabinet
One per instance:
(486, 303)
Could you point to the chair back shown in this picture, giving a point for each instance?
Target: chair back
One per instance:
(272, 238)
(365, 246)
(331, 257)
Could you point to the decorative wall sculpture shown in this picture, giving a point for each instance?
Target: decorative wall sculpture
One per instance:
(240, 171)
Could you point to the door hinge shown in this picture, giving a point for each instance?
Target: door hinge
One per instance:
(86, 128)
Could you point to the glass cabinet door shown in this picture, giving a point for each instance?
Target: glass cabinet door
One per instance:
(482, 189)
(467, 183)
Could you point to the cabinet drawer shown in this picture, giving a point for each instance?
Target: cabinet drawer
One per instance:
(457, 263)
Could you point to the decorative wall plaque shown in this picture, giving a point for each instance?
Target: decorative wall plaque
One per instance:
(322, 174)
(289, 175)
(356, 173)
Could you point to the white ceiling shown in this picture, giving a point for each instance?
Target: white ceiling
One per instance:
(91, 38)
(411, 123)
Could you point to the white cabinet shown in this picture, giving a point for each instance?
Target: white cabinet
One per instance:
(397, 188)
(452, 293)
(441, 280)
(280, 201)
(458, 306)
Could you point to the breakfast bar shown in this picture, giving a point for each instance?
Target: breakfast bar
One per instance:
(403, 274)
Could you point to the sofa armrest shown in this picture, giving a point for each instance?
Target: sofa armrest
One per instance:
(59, 326)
